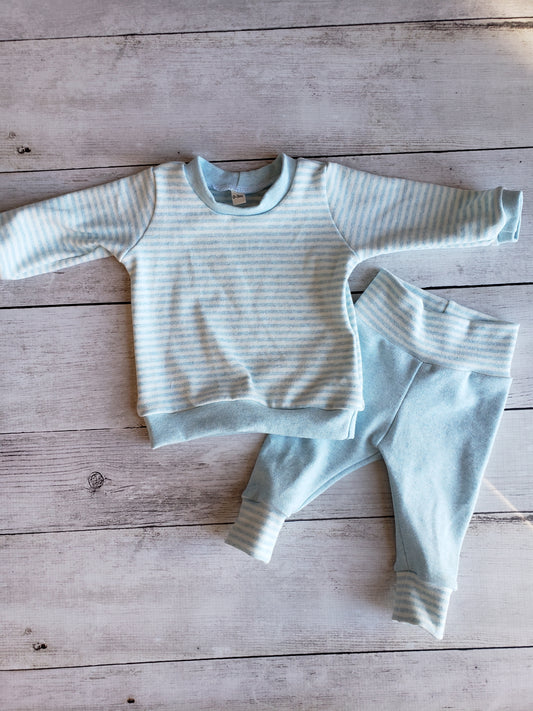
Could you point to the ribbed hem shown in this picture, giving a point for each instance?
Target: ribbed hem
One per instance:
(256, 530)
(436, 330)
(232, 416)
(512, 206)
(420, 603)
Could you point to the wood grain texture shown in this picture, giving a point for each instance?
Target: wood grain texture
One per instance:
(367, 89)
(111, 479)
(72, 367)
(477, 680)
(126, 591)
(107, 281)
(170, 594)
(54, 354)
(28, 19)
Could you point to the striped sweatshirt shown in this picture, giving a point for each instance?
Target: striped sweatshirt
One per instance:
(242, 315)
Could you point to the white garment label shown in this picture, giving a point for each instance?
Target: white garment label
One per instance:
(238, 198)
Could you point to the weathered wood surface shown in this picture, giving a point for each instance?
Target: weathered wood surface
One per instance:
(61, 481)
(169, 594)
(98, 17)
(133, 576)
(72, 367)
(473, 679)
(365, 89)
(107, 281)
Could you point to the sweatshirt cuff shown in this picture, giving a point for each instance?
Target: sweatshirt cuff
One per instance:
(420, 603)
(256, 530)
(512, 201)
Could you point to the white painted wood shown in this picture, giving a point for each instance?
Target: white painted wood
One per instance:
(110, 479)
(169, 594)
(477, 680)
(366, 89)
(106, 281)
(27, 19)
(17, 189)
(101, 281)
(51, 481)
(72, 367)
(80, 370)
(172, 590)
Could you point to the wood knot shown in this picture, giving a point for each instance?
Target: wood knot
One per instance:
(131, 701)
(23, 149)
(96, 480)
(39, 645)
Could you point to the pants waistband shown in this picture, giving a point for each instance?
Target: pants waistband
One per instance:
(437, 330)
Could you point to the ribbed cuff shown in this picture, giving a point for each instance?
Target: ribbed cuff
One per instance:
(420, 603)
(512, 201)
(256, 530)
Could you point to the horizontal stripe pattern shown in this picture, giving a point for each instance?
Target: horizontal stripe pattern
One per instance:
(251, 302)
(256, 530)
(77, 227)
(418, 602)
(377, 214)
(436, 330)
(251, 307)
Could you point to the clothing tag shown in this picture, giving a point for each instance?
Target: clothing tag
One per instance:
(238, 198)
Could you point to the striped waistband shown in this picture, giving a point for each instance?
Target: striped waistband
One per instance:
(437, 330)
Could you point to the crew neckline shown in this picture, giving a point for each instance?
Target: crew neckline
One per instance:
(276, 176)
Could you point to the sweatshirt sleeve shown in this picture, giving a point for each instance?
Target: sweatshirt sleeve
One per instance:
(76, 227)
(375, 214)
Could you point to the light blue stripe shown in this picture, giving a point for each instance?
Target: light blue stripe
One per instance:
(445, 327)
(325, 299)
(314, 342)
(450, 351)
(297, 283)
(194, 271)
(437, 604)
(464, 361)
(173, 360)
(418, 613)
(276, 324)
(391, 214)
(251, 544)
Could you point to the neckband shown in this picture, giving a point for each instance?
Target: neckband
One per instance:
(203, 175)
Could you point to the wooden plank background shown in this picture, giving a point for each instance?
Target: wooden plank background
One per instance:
(116, 588)
(377, 88)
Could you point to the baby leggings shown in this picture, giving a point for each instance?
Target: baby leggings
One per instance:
(436, 377)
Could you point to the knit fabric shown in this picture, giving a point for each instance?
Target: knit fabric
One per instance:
(419, 603)
(436, 377)
(241, 308)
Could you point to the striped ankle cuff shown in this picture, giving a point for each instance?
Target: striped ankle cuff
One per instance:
(420, 603)
(256, 530)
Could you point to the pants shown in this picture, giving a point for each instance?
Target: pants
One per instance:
(435, 381)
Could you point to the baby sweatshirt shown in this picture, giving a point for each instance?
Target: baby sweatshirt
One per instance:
(242, 315)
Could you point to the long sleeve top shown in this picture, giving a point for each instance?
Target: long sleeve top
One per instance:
(242, 315)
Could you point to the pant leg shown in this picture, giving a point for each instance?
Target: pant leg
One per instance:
(434, 426)
(290, 472)
(435, 453)
(438, 444)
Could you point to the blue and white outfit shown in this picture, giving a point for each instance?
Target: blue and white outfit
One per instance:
(242, 315)
(243, 322)
(436, 377)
